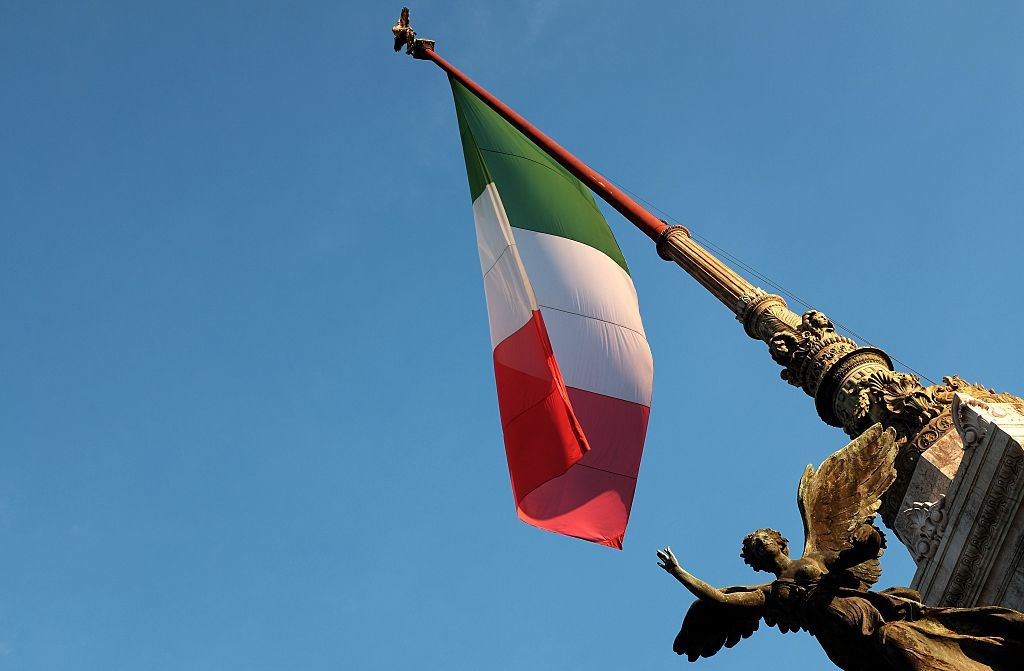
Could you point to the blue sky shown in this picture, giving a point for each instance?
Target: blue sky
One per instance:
(248, 416)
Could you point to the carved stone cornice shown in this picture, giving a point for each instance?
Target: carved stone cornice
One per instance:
(973, 426)
(973, 431)
(927, 520)
(916, 440)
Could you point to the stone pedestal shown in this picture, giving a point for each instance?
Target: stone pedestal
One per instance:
(969, 539)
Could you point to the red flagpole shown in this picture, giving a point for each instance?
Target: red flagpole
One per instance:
(625, 205)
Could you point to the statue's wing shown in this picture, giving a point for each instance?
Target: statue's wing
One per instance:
(708, 626)
(845, 491)
(867, 572)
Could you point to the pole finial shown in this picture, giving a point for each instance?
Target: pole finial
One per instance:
(406, 36)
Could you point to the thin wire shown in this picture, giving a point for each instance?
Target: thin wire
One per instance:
(764, 278)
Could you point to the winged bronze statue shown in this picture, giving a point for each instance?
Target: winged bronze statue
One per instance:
(827, 591)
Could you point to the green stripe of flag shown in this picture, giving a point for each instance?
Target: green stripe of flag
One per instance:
(538, 193)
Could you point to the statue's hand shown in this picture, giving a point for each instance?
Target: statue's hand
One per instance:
(668, 560)
(864, 534)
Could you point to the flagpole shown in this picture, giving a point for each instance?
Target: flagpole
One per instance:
(653, 227)
(674, 242)
(853, 387)
(764, 316)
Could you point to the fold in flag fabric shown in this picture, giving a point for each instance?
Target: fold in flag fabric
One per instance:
(571, 362)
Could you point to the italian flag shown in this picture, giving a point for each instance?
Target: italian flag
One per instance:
(571, 361)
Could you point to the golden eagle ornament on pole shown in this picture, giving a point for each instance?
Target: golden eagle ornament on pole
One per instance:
(404, 34)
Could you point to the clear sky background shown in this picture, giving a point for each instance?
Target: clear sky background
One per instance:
(247, 410)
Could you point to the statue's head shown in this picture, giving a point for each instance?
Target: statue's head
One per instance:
(765, 550)
(815, 321)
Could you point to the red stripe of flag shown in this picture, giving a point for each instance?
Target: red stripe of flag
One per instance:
(542, 436)
(562, 482)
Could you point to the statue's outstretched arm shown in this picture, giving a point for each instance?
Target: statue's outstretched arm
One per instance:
(704, 591)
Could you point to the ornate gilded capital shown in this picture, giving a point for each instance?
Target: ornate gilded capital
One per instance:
(897, 400)
(840, 395)
(814, 357)
(763, 315)
(810, 351)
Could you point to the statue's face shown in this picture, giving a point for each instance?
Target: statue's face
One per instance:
(764, 551)
(768, 549)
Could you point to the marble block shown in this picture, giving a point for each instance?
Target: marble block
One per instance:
(969, 542)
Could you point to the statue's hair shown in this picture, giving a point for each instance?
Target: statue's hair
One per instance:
(753, 544)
